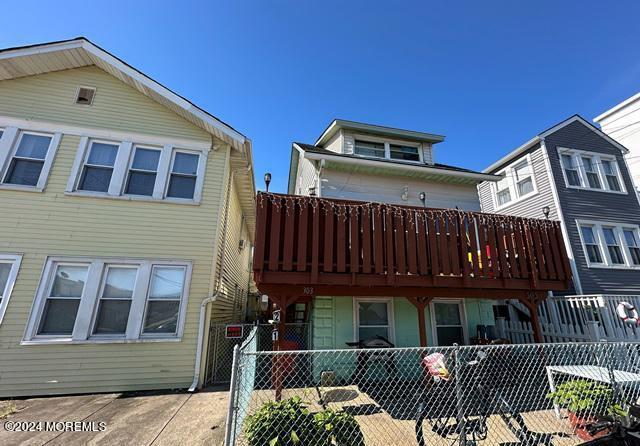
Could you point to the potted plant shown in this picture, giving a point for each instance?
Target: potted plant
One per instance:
(585, 400)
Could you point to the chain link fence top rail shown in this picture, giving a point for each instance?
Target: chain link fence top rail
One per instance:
(538, 394)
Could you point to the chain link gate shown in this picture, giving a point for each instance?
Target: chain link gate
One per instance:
(220, 350)
(525, 395)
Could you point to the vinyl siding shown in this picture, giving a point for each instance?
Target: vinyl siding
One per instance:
(531, 206)
(593, 205)
(335, 142)
(50, 97)
(307, 176)
(389, 189)
(38, 225)
(230, 306)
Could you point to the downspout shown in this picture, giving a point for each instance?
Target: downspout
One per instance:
(208, 300)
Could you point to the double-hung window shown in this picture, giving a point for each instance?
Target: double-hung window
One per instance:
(523, 178)
(405, 153)
(503, 191)
(631, 239)
(9, 265)
(374, 318)
(571, 170)
(610, 245)
(184, 172)
(610, 169)
(143, 172)
(370, 149)
(26, 158)
(517, 183)
(106, 300)
(590, 170)
(138, 172)
(591, 244)
(98, 167)
(613, 246)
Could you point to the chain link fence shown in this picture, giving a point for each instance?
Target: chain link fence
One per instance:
(538, 394)
(220, 351)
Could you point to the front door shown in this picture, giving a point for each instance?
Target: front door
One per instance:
(448, 322)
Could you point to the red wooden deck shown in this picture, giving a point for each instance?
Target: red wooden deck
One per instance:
(311, 246)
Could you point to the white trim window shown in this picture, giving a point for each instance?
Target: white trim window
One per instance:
(590, 171)
(143, 171)
(379, 148)
(373, 317)
(137, 172)
(448, 321)
(517, 183)
(183, 175)
(369, 149)
(9, 266)
(591, 244)
(82, 300)
(97, 170)
(610, 245)
(631, 239)
(26, 158)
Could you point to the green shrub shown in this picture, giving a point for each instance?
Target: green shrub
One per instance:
(289, 423)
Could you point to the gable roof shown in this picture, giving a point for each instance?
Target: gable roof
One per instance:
(436, 168)
(79, 52)
(540, 137)
(338, 124)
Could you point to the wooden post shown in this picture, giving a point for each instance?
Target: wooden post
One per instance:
(421, 303)
(535, 320)
(278, 363)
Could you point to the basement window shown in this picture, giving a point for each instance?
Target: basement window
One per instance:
(85, 95)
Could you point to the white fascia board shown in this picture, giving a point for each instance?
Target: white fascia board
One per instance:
(163, 91)
(41, 49)
(616, 108)
(337, 124)
(395, 166)
(111, 60)
(508, 157)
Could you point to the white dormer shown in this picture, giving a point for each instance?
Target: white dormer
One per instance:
(377, 142)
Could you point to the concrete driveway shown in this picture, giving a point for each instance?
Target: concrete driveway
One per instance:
(141, 418)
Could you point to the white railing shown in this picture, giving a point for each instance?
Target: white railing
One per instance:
(576, 318)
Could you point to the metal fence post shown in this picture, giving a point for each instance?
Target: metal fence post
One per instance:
(233, 391)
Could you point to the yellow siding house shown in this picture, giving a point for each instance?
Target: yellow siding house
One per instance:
(126, 220)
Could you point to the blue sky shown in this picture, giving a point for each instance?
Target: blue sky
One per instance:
(487, 74)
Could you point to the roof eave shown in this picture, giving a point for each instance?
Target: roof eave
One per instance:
(478, 177)
(616, 108)
(337, 124)
(236, 138)
(509, 156)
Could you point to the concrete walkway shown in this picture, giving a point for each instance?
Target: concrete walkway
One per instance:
(142, 418)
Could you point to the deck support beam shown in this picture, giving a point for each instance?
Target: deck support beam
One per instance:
(421, 304)
(279, 361)
(532, 304)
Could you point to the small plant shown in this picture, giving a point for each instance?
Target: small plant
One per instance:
(289, 423)
(585, 398)
(338, 428)
(7, 408)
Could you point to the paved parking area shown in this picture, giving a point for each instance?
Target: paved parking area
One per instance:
(141, 418)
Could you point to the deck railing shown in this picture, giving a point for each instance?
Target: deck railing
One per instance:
(313, 240)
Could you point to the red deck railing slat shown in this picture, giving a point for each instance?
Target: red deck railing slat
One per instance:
(328, 239)
(366, 240)
(303, 232)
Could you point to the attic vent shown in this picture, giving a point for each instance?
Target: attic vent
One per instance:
(85, 95)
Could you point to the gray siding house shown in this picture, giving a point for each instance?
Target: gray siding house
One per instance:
(579, 174)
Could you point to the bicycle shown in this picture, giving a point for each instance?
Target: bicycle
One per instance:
(470, 424)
